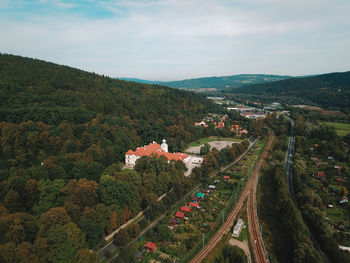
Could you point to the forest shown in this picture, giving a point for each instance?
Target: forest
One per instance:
(64, 133)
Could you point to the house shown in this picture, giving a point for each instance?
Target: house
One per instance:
(172, 221)
(185, 209)
(202, 123)
(220, 125)
(212, 187)
(200, 195)
(205, 191)
(226, 177)
(339, 180)
(179, 214)
(150, 246)
(238, 227)
(320, 174)
(192, 204)
(157, 150)
(194, 199)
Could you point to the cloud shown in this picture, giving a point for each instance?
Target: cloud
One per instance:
(168, 39)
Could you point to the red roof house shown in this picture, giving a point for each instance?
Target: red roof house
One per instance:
(151, 246)
(185, 209)
(180, 214)
(226, 177)
(194, 204)
(320, 174)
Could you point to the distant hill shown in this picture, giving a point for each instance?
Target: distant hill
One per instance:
(142, 81)
(328, 90)
(218, 83)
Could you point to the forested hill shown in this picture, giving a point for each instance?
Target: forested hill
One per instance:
(63, 137)
(131, 113)
(220, 83)
(329, 90)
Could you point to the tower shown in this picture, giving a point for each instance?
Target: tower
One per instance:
(164, 146)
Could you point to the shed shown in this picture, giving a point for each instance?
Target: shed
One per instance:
(200, 195)
(139, 256)
(185, 209)
(179, 214)
(194, 199)
(194, 204)
(212, 187)
(320, 174)
(226, 177)
(150, 246)
(172, 221)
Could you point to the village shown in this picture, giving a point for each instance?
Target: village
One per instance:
(186, 226)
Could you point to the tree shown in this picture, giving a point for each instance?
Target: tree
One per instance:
(205, 149)
(55, 216)
(86, 256)
(133, 230)
(164, 233)
(121, 238)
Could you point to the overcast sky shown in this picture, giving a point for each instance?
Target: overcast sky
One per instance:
(178, 39)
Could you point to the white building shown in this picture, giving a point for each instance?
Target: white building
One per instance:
(238, 227)
(155, 149)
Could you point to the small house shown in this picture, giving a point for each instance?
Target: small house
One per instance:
(226, 177)
(179, 214)
(150, 246)
(194, 199)
(172, 221)
(192, 204)
(200, 195)
(212, 187)
(185, 209)
(238, 227)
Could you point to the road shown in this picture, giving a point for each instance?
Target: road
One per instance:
(251, 185)
(289, 172)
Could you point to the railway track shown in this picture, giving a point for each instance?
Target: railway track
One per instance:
(249, 189)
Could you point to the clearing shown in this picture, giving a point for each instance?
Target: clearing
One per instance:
(341, 128)
(218, 143)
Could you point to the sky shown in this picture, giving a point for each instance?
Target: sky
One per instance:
(181, 39)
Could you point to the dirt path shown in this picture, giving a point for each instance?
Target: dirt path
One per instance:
(241, 245)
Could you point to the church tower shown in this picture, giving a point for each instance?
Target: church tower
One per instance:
(164, 146)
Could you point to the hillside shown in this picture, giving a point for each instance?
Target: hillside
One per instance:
(331, 91)
(63, 137)
(39, 91)
(218, 83)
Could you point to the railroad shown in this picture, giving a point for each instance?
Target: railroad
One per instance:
(250, 188)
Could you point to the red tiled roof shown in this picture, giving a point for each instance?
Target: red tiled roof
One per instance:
(185, 209)
(226, 177)
(173, 156)
(146, 150)
(194, 204)
(155, 149)
(130, 152)
(150, 245)
(320, 173)
(180, 214)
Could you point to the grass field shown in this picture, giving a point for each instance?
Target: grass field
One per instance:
(212, 139)
(341, 128)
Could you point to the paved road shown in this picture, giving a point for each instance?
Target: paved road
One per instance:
(289, 172)
(230, 219)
